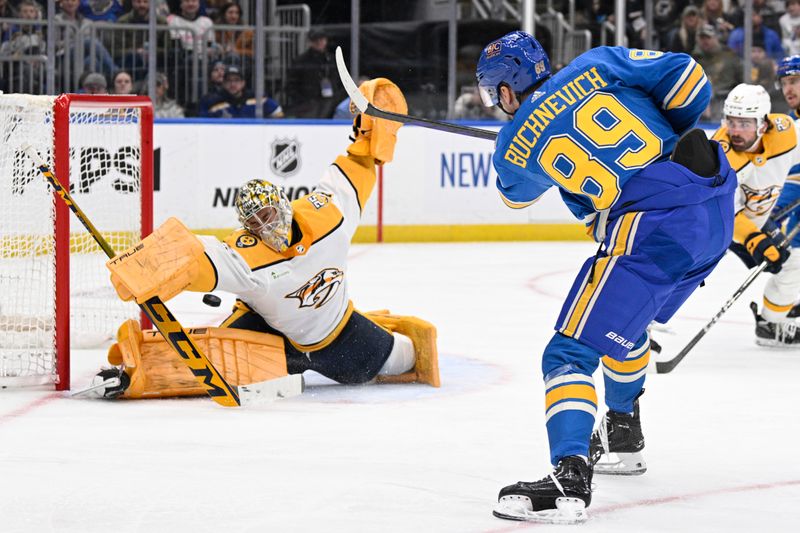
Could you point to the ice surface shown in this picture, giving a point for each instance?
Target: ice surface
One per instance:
(722, 430)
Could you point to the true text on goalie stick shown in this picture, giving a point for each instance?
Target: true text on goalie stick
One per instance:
(202, 369)
(664, 367)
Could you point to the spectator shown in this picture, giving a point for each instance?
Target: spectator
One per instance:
(666, 14)
(237, 102)
(7, 11)
(311, 80)
(763, 72)
(713, 13)
(770, 39)
(721, 65)
(191, 28)
(235, 44)
(682, 38)
(140, 14)
(215, 78)
(469, 106)
(769, 15)
(123, 83)
(24, 40)
(94, 83)
(133, 56)
(102, 10)
(343, 110)
(69, 13)
(163, 106)
(790, 27)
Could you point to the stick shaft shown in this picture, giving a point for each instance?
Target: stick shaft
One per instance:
(363, 105)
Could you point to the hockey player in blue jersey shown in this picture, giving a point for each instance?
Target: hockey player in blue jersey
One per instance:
(613, 131)
(789, 77)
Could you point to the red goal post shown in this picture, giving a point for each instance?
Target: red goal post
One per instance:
(54, 289)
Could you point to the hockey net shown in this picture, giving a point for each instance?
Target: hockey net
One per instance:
(54, 289)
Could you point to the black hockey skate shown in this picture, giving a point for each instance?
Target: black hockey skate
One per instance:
(560, 498)
(775, 334)
(616, 445)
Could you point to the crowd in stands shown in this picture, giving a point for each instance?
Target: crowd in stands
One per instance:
(710, 30)
(120, 67)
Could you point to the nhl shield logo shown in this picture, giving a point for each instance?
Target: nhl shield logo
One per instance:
(285, 160)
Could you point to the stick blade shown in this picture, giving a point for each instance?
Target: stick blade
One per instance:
(271, 390)
(358, 99)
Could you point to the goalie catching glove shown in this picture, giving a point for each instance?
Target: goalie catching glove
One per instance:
(376, 137)
(167, 262)
(765, 244)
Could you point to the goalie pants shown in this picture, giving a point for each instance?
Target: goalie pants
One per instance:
(649, 264)
(354, 356)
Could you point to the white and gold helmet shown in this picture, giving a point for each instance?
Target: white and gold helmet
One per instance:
(748, 101)
(265, 211)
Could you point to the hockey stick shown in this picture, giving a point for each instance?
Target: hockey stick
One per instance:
(363, 105)
(665, 367)
(204, 372)
(786, 211)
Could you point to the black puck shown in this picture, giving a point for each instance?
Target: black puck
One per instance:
(212, 300)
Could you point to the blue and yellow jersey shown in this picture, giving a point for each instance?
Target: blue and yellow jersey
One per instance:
(596, 123)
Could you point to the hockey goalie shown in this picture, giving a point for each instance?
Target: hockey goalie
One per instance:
(287, 267)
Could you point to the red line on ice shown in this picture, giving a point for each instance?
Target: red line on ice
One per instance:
(594, 511)
(25, 409)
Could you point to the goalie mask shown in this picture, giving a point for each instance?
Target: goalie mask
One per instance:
(265, 211)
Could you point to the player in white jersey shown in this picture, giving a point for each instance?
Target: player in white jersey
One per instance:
(762, 148)
(288, 268)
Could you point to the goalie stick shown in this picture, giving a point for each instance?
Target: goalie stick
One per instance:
(202, 369)
(665, 367)
(363, 105)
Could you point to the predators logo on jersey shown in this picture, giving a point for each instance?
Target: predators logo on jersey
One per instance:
(760, 201)
(317, 291)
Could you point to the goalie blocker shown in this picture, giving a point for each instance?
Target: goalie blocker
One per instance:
(246, 350)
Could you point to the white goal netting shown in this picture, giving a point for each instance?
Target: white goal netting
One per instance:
(104, 152)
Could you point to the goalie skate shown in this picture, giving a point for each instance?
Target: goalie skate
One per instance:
(560, 498)
(109, 383)
(616, 445)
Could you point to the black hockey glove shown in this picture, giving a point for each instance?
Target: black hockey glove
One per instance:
(769, 246)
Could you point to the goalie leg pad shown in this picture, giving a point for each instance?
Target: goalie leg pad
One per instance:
(241, 356)
(423, 335)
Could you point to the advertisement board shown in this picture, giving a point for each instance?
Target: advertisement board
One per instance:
(439, 186)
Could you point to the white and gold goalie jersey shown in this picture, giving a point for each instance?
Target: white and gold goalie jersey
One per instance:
(302, 292)
(761, 175)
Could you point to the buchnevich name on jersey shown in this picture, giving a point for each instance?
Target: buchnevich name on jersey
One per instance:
(528, 134)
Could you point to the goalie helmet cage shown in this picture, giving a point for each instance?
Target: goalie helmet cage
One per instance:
(54, 288)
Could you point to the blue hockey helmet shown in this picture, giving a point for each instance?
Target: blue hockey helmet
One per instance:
(516, 59)
(789, 66)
